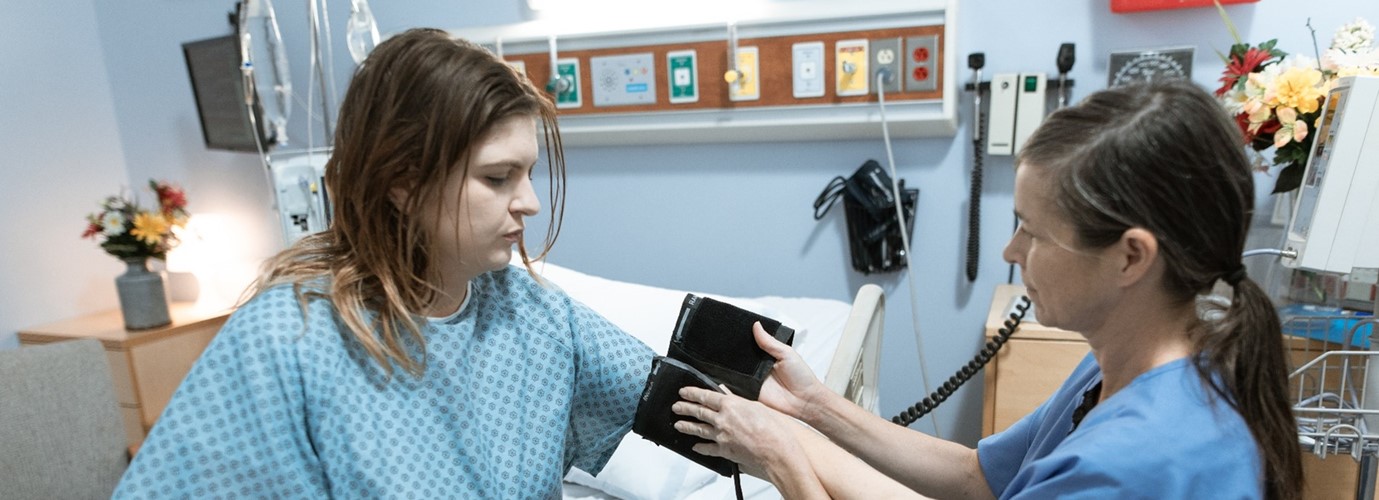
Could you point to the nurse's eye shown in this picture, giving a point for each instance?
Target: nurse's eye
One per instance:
(497, 181)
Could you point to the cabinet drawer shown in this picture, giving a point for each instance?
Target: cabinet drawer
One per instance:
(1027, 372)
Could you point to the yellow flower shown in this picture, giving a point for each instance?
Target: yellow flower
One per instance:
(1298, 88)
(150, 227)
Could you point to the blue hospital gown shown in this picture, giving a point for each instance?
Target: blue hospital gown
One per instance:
(521, 384)
(1160, 437)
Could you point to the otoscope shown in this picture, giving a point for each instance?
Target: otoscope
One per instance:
(1065, 64)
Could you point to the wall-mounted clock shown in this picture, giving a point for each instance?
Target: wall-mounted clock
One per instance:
(1149, 65)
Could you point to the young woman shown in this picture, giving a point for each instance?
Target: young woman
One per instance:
(1131, 204)
(397, 354)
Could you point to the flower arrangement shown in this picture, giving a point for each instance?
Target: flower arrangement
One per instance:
(1276, 98)
(127, 230)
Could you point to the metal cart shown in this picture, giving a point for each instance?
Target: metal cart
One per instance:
(1335, 386)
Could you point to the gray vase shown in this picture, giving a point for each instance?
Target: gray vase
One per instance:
(143, 296)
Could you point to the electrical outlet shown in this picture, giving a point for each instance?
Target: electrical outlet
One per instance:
(683, 66)
(808, 73)
(748, 86)
(921, 63)
(886, 56)
(851, 73)
(567, 94)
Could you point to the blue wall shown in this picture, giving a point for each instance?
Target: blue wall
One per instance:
(103, 99)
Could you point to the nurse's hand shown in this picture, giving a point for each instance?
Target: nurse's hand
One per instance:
(744, 431)
(792, 387)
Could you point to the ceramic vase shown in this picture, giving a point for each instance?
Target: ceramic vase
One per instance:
(143, 296)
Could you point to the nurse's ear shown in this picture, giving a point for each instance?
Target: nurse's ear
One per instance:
(1138, 254)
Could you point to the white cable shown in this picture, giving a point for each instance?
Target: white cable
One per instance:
(904, 240)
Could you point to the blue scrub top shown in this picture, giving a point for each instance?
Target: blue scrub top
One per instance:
(520, 385)
(1163, 436)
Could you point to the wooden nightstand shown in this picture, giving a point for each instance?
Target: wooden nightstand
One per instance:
(146, 365)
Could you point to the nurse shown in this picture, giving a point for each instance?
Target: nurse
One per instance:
(397, 354)
(1131, 205)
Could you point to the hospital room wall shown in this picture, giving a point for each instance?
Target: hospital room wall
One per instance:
(61, 151)
(104, 101)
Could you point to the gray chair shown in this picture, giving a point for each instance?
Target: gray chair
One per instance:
(61, 431)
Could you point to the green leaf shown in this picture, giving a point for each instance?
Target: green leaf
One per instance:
(1289, 178)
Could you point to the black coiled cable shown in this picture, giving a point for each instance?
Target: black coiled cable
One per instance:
(923, 407)
(974, 203)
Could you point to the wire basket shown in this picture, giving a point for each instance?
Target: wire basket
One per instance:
(1335, 391)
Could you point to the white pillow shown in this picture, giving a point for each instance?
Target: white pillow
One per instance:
(640, 469)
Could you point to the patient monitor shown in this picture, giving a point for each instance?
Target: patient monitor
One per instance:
(299, 188)
(1335, 222)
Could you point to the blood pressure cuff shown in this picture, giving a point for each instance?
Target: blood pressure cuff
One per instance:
(712, 344)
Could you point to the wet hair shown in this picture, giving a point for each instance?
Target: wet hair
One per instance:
(415, 110)
(1165, 157)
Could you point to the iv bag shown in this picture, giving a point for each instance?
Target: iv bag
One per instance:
(361, 34)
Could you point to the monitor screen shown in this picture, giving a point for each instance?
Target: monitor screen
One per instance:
(213, 65)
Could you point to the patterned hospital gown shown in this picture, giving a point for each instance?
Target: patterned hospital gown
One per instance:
(521, 384)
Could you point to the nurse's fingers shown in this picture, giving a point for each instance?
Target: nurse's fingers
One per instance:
(710, 399)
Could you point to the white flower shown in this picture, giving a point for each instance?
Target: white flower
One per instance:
(112, 223)
(1354, 37)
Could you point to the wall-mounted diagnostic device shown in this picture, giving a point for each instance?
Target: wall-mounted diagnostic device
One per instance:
(1000, 133)
(1335, 222)
(1029, 107)
(300, 191)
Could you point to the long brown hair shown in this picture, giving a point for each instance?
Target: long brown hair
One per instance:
(414, 110)
(1165, 157)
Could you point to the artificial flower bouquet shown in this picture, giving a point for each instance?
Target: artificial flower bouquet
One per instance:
(127, 230)
(1276, 98)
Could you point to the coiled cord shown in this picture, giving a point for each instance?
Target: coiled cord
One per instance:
(923, 407)
(974, 204)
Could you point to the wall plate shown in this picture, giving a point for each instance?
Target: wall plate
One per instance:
(807, 74)
(568, 70)
(921, 63)
(683, 83)
(623, 80)
(885, 54)
(850, 69)
(748, 86)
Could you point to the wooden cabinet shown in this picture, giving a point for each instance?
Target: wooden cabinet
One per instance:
(1036, 360)
(146, 365)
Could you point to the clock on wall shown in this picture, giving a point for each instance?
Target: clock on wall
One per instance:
(1139, 66)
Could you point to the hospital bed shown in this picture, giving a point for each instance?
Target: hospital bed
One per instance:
(839, 341)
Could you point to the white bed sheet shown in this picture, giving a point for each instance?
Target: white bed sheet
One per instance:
(640, 469)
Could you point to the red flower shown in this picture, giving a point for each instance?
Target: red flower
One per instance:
(92, 229)
(170, 198)
(1240, 66)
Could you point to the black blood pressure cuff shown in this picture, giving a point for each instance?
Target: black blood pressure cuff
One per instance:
(712, 344)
